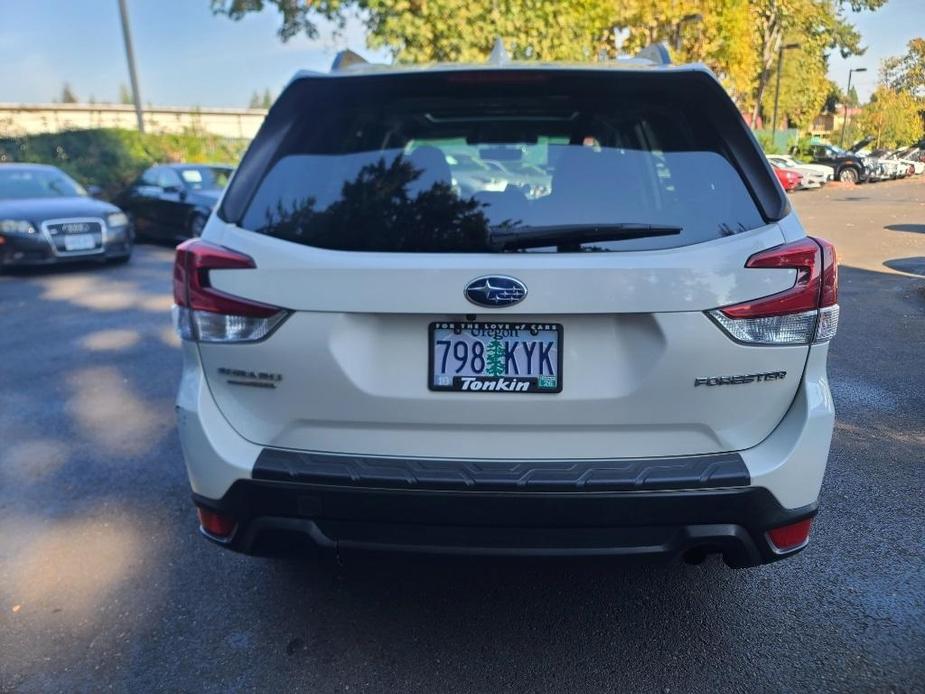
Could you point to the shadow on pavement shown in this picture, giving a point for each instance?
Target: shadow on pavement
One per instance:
(914, 266)
(914, 228)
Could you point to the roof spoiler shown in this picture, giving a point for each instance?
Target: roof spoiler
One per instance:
(656, 53)
(347, 58)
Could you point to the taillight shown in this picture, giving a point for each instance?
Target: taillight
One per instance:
(205, 314)
(790, 537)
(217, 525)
(805, 313)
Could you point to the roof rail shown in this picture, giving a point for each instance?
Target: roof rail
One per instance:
(499, 54)
(347, 58)
(656, 53)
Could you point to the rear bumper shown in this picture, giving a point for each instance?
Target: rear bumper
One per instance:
(342, 519)
(725, 502)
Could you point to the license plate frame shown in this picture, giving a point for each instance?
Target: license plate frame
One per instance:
(74, 243)
(504, 383)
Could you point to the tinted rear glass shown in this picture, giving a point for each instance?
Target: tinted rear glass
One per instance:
(453, 171)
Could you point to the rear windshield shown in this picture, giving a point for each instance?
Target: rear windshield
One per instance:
(456, 172)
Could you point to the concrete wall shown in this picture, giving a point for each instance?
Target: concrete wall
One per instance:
(30, 119)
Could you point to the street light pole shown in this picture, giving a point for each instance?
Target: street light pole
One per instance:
(844, 123)
(132, 73)
(780, 60)
(686, 19)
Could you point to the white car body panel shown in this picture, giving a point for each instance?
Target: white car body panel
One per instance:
(630, 362)
(790, 463)
(691, 278)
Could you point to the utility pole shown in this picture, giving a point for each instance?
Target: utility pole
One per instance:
(844, 123)
(132, 73)
(686, 19)
(780, 61)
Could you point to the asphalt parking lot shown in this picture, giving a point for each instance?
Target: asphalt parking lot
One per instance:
(104, 583)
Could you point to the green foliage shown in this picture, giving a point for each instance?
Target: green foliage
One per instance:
(804, 87)
(737, 39)
(450, 30)
(112, 158)
(780, 142)
(767, 142)
(906, 73)
(803, 146)
(125, 95)
(893, 118)
(296, 14)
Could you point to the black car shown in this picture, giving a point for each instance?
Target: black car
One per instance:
(173, 201)
(848, 166)
(46, 217)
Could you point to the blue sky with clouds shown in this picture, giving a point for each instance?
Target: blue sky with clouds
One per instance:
(187, 56)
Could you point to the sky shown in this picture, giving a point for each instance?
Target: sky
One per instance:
(187, 56)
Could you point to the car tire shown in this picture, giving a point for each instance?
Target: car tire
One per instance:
(848, 175)
(121, 260)
(196, 224)
(140, 235)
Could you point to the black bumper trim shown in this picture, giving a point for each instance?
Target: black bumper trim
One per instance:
(622, 474)
(733, 522)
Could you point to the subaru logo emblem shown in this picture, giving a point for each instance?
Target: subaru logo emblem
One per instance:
(496, 291)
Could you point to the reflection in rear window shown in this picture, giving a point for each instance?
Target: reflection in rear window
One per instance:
(449, 175)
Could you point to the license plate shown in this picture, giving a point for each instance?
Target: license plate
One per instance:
(496, 357)
(79, 242)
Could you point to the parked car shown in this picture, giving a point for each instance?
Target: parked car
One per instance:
(882, 166)
(849, 168)
(913, 167)
(789, 178)
(914, 154)
(632, 363)
(813, 175)
(46, 217)
(173, 201)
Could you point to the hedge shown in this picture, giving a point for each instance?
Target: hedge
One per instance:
(112, 158)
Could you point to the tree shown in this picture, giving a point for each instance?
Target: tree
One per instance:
(819, 24)
(125, 95)
(892, 117)
(298, 15)
(804, 86)
(67, 94)
(906, 73)
(738, 39)
(259, 100)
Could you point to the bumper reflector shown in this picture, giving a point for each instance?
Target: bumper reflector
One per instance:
(215, 524)
(790, 537)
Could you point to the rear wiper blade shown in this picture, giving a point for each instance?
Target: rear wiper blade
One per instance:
(572, 235)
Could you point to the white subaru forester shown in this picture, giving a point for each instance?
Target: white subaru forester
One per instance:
(507, 309)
